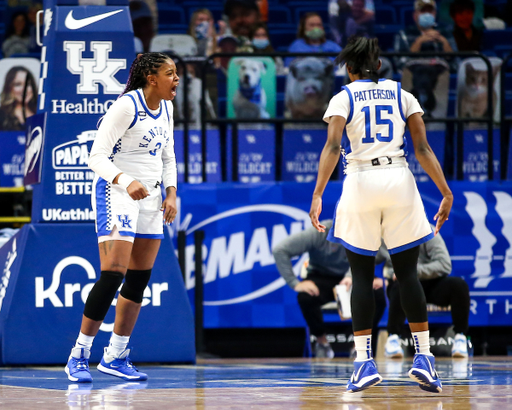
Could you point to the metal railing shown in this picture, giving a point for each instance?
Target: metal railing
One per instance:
(208, 62)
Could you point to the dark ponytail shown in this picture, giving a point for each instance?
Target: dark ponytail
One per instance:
(362, 55)
(144, 65)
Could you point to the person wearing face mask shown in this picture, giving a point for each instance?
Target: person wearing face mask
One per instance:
(202, 29)
(424, 36)
(311, 37)
(261, 44)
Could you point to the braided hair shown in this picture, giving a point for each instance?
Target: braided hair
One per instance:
(362, 55)
(144, 65)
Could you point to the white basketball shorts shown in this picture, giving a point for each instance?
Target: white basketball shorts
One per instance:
(380, 202)
(133, 219)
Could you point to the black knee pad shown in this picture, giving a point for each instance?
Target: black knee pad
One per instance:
(135, 284)
(101, 295)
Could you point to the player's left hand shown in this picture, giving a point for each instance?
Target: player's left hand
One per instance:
(314, 213)
(378, 283)
(169, 207)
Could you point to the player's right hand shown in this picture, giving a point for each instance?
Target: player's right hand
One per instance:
(307, 286)
(137, 191)
(444, 211)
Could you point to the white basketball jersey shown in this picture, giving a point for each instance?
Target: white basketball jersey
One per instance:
(376, 117)
(139, 151)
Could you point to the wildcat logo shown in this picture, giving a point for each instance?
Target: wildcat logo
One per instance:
(11, 257)
(476, 207)
(93, 71)
(33, 150)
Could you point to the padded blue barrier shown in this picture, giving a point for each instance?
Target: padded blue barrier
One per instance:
(48, 271)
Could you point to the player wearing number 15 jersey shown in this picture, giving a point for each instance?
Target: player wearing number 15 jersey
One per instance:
(379, 200)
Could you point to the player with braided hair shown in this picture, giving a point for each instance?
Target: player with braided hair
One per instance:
(133, 153)
(379, 200)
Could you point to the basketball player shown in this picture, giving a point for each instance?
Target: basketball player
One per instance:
(132, 153)
(379, 199)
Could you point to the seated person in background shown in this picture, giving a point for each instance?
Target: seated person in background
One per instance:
(202, 29)
(328, 266)
(261, 44)
(423, 37)
(360, 20)
(142, 21)
(17, 37)
(242, 15)
(445, 19)
(434, 268)
(263, 6)
(311, 37)
(467, 36)
(32, 18)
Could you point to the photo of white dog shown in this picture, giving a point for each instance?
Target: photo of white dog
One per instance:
(250, 99)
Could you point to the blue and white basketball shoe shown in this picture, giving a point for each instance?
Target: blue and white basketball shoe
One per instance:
(460, 346)
(77, 367)
(424, 373)
(365, 375)
(121, 367)
(393, 348)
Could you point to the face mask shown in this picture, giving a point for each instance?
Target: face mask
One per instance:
(315, 33)
(260, 43)
(426, 20)
(202, 30)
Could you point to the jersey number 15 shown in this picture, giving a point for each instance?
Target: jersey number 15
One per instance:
(368, 139)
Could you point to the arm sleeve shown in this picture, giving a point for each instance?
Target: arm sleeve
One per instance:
(295, 245)
(112, 128)
(438, 259)
(410, 104)
(170, 170)
(339, 105)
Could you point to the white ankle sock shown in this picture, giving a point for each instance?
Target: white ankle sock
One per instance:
(84, 341)
(117, 345)
(422, 342)
(363, 347)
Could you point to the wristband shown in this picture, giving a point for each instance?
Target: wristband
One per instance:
(124, 180)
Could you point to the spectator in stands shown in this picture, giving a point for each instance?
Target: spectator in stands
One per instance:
(261, 44)
(142, 21)
(32, 18)
(17, 38)
(242, 15)
(467, 36)
(349, 17)
(18, 100)
(311, 37)
(328, 266)
(434, 268)
(202, 29)
(423, 37)
(263, 6)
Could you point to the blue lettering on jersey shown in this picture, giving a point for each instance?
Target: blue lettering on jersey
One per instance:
(377, 94)
(125, 221)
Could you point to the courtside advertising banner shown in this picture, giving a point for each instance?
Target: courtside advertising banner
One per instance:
(242, 224)
(47, 272)
(86, 55)
(301, 153)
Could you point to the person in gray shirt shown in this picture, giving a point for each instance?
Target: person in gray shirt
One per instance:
(434, 268)
(328, 266)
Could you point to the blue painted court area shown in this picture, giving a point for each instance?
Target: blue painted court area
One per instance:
(280, 384)
(247, 374)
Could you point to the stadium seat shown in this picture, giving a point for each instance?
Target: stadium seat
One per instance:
(385, 14)
(406, 16)
(280, 16)
(181, 44)
(170, 16)
(281, 39)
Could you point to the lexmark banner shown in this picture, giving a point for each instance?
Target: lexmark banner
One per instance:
(242, 224)
(84, 63)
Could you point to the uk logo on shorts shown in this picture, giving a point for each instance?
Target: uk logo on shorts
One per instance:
(125, 221)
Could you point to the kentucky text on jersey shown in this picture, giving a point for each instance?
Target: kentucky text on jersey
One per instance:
(376, 94)
(152, 134)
